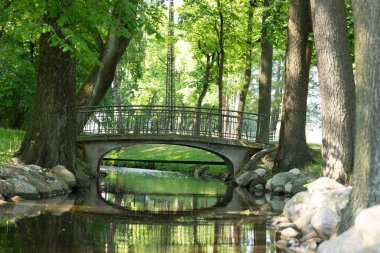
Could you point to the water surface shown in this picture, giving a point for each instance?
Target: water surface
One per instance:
(142, 211)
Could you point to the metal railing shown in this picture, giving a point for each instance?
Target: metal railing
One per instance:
(181, 120)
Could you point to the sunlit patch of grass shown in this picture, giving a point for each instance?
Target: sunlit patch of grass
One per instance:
(169, 152)
(10, 141)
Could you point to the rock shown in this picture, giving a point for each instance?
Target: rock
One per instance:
(260, 171)
(336, 199)
(65, 175)
(295, 171)
(289, 233)
(2, 202)
(258, 187)
(23, 189)
(16, 160)
(324, 222)
(5, 188)
(367, 224)
(298, 209)
(17, 199)
(310, 245)
(324, 183)
(288, 188)
(279, 180)
(282, 243)
(1, 197)
(279, 219)
(311, 235)
(299, 183)
(371, 249)
(277, 202)
(348, 242)
(282, 226)
(268, 185)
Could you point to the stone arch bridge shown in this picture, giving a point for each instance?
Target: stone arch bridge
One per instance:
(229, 134)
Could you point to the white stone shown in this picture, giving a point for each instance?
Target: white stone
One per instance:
(348, 242)
(67, 176)
(279, 180)
(288, 188)
(295, 171)
(324, 222)
(298, 209)
(367, 223)
(336, 199)
(324, 183)
(289, 233)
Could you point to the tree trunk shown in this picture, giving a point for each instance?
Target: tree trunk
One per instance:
(276, 103)
(265, 82)
(210, 58)
(366, 175)
(337, 88)
(100, 78)
(220, 57)
(117, 103)
(293, 150)
(51, 136)
(248, 71)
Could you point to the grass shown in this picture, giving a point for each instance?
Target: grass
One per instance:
(10, 141)
(169, 152)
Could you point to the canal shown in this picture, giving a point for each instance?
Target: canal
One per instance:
(138, 210)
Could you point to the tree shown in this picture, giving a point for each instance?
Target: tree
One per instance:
(366, 174)
(293, 150)
(337, 88)
(265, 81)
(51, 135)
(248, 70)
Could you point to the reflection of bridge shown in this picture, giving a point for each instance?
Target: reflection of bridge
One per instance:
(228, 134)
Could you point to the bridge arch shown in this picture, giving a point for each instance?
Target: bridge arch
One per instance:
(235, 153)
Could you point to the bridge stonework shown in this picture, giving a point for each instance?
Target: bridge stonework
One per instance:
(235, 153)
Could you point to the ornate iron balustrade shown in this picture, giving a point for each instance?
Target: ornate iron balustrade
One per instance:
(181, 120)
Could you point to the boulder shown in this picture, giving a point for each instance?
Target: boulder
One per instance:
(65, 175)
(279, 180)
(22, 188)
(295, 171)
(268, 185)
(348, 242)
(298, 209)
(289, 233)
(324, 222)
(324, 183)
(299, 183)
(16, 160)
(261, 172)
(6, 188)
(246, 178)
(367, 224)
(335, 199)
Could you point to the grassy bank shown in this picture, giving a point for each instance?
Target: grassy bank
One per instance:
(10, 140)
(169, 152)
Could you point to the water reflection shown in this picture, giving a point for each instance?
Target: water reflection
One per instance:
(86, 223)
(157, 191)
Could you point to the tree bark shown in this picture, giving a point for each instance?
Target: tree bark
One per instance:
(210, 59)
(248, 71)
(293, 150)
(220, 60)
(51, 136)
(337, 88)
(265, 81)
(276, 103)
(366, 175)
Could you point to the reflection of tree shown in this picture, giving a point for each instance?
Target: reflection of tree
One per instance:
(260, 239)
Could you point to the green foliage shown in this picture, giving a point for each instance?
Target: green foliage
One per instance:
(10, 141)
